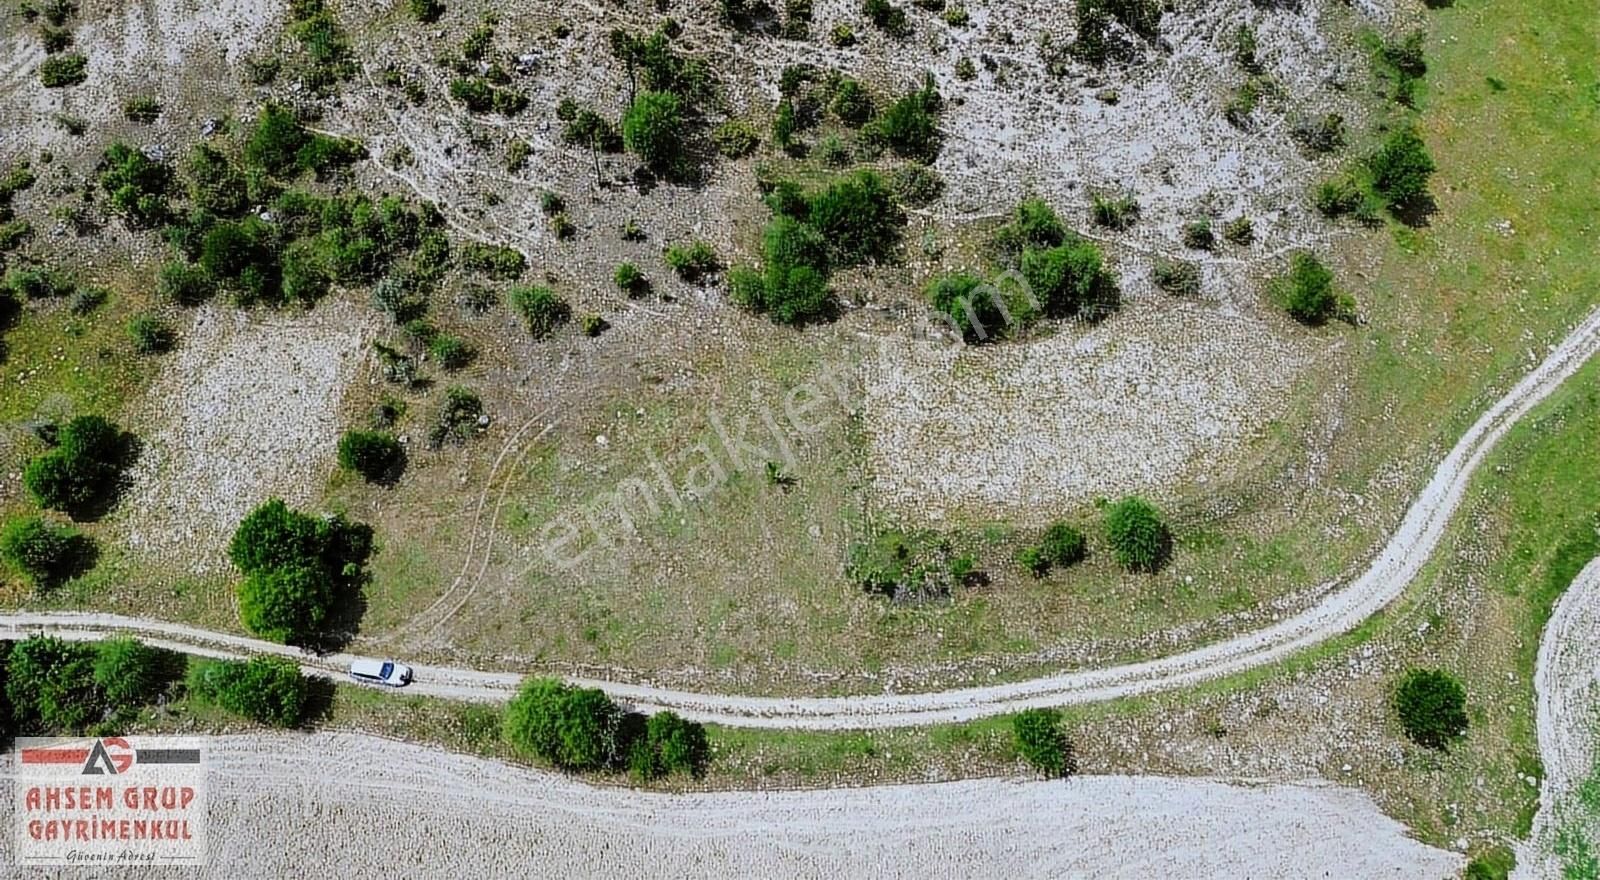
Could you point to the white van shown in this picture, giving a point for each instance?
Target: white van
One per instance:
(384, 672)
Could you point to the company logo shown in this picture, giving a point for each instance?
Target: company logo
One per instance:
(113, 800)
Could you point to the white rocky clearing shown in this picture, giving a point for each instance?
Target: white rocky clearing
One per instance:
(361, 807)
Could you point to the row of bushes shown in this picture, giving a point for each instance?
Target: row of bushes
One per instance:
(581, 729)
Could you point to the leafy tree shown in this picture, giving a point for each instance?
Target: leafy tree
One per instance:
(573, 728)
(375, 455)
(1307, 292)
(267, 690)
(289, 605)
(669, 745)
(1040, 740)
(298, 568)
(652, 129)
(129, 672)
(274, 144)
(1401, 168)
(45, 553)
(1139, 538)
(541, 308)
(1432, 706)
(83, 472)
(51, 686)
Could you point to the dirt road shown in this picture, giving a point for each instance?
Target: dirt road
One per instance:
(359, 807)
(1394, 567)
(1567, 680)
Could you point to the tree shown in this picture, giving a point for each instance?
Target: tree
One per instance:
(375, 455)
(573, 728)
(275, 142)
(289, 605)
(652, 129)
(1432, 706)
(83, 472)
(51, 685)
(669, 744)
(1401, 168)
(268, 690)
(1138, 537)
(274, 536)
(1307, 292)
(128, 672)
(541, 308)
(1040, 740)
(46, 554)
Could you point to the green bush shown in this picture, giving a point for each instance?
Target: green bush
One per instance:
(1070, 280)
(494, 261)
(150, 334)
(852, 103)
(652, 129)
(141, 108)
(1307, 291)
(298, 570)
(50, 684)
(1138, 537)
(274, 144)
(1401, 168)
(1337, 197)
(910, 126)
(1061, 546)
(59, 71)
(1177, 277)
(630, 280)
(82, 474)
(735, 138)
(857, 217)
(136, 183)
(1495, 863)
(45, 553)
(916, 184)
(184, 284)
(887, 17)
(425, 11)
(1432, 707)
(214, 184)
(980, 310)
(1099, 38)
(692, 261)
(452, 352)
(37, 283)
(1239, 231)
(572, 728)
(129, 673)
(1033, 224)
(669, 745)
(1197, 235)
(1039, 738)
(1113, 211)
(458, 417)
(375, 455)
(541, 308)
(267, 690)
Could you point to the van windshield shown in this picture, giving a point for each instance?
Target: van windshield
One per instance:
(386, 671)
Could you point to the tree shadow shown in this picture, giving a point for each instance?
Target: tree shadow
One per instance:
(80, 554)
(1415, 212)
(318, 705)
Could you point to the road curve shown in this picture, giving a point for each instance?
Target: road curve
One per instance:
(1407, 550)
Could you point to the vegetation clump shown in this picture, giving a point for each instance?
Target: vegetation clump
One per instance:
(61, 71)
(1432, 707)
(582, 730)
(1307, 293)
(376, 455)
(1400, 169)
(1038, 737)
(82, 475)
(43, 552)
(541, 309)
(267, 690)
(1061, 546)
(300, 572)
(1137, 534)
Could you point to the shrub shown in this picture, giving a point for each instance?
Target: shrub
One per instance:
(692, 261)
(1061, 546)
(1495, 863)
(1335, 198)
(573, 728)
(670, 745)
(274, 144)
(652, 129)
(1323, 134)
(916, 184)
(184, 284)
(46, 554)
(494, 261)
(1401, 168)
(137, 184)
(51, 686)
(735, 138)
(1307, 292)
(214, 184)
(910, 126)
(857, 218)
(458, 417)
(1432, 707)
(375, 455)
(267, 690)
(1138, 537)
(1239, 231)
(452, 352)
(150, 334)
(297, 569)
(1098, 38)
(1113, 211)
(128, 672)
(593, 325)
(1033, 224)
(1038, 737)
(982, 311)
(60, 71)
(83, 472)
(1197, 234)
(37, 283)
(541, 308)
(425, 11)
(1177, 277)
(887, 17)
(630, 280)
(851, 103)
(1070, 279)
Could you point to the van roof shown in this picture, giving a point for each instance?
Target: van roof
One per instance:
(367, 667)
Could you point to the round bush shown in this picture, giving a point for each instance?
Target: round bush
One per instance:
(1039, 739)
(1138, 537)
(573, 728)
(46, 554)
(288, 605)
(269, 690)
(1307, 292)
(1432, 706)
(541, 308)
(82, 473)
(128, 672)
(375, 455)
(652, 129)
